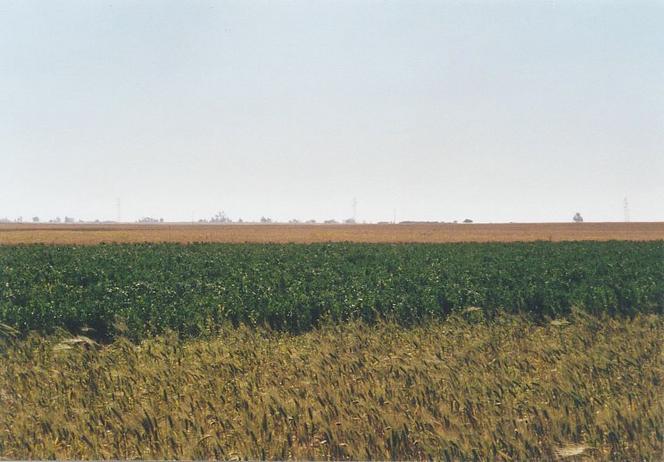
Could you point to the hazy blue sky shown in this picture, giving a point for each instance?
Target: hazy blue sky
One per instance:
(497, 111)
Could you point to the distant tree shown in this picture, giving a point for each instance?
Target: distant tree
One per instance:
(311, 222)
(349, 221)
(221, 217)
(35, 219)
(467, 220)
(266, 220)
(69, 220)
(578, 218)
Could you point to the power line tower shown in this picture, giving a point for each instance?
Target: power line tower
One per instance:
(626, 210)
(354, 208)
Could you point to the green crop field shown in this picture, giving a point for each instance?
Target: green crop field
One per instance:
(139, 290)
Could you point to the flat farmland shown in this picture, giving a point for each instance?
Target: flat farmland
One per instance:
(88, 234)
(332, 351)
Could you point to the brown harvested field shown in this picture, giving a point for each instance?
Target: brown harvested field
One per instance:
(241, 233)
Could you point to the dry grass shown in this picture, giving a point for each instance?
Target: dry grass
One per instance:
(506, 390)
(94, 234)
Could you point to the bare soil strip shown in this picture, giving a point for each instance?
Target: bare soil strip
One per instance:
(85, 234)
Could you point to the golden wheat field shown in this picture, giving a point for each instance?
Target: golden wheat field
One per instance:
(378, 233)
(464, 388)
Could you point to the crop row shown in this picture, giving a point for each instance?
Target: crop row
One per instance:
(148, 288)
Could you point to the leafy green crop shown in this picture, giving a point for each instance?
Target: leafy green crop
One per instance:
(145, 289)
